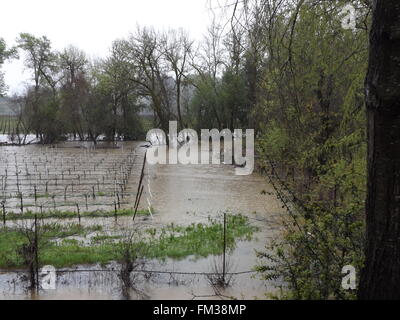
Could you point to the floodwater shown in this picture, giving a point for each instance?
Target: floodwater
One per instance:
(179, 194)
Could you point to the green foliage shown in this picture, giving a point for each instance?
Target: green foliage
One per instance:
(199, 239)
(274, 139)
(69, 96)
(220, 103)
(232, 99)
(177, 242)
(204, 104)
(12, 239)
(313, 137)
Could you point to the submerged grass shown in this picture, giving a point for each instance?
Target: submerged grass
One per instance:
(199, 239)
(177, 242)
(74, 214)
(12, 240)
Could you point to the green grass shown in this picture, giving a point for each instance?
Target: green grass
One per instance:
(105, 238)
(56, 230)
(70, 254)
(177, 242)
(12, 239)
(199, 239)
(46, 195)
(8, 124)
(74, 214)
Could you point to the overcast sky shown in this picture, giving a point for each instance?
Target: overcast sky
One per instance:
(92, 24)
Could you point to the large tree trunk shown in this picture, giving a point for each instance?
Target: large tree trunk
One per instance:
(380, 278)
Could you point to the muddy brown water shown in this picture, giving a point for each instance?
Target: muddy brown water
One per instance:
(179, 194)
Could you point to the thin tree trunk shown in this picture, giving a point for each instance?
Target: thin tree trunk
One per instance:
(178, 103)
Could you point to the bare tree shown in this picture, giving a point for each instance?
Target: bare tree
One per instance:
(177, 47)
(40, 58)
(22, 128)
(149, 72)
(73, 64)
(208, 61)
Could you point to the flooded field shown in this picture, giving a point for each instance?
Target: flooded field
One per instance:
(95, 186)
(38, 178)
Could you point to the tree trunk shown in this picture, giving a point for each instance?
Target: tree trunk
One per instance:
(380, 278)
(178, 103)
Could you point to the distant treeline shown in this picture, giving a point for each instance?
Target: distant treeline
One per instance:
(201, 85)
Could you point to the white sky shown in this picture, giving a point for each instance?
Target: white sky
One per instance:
(92, 25)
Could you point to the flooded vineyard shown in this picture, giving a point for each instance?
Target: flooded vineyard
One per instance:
(117, 228)
(35, 178)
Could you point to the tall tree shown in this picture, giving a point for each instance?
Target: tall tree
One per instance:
(73, 64)
(380, 278)
(149, 72)
(43, 106)
(177, 47)
(39, 58)
(114, 81)
(209, 62)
